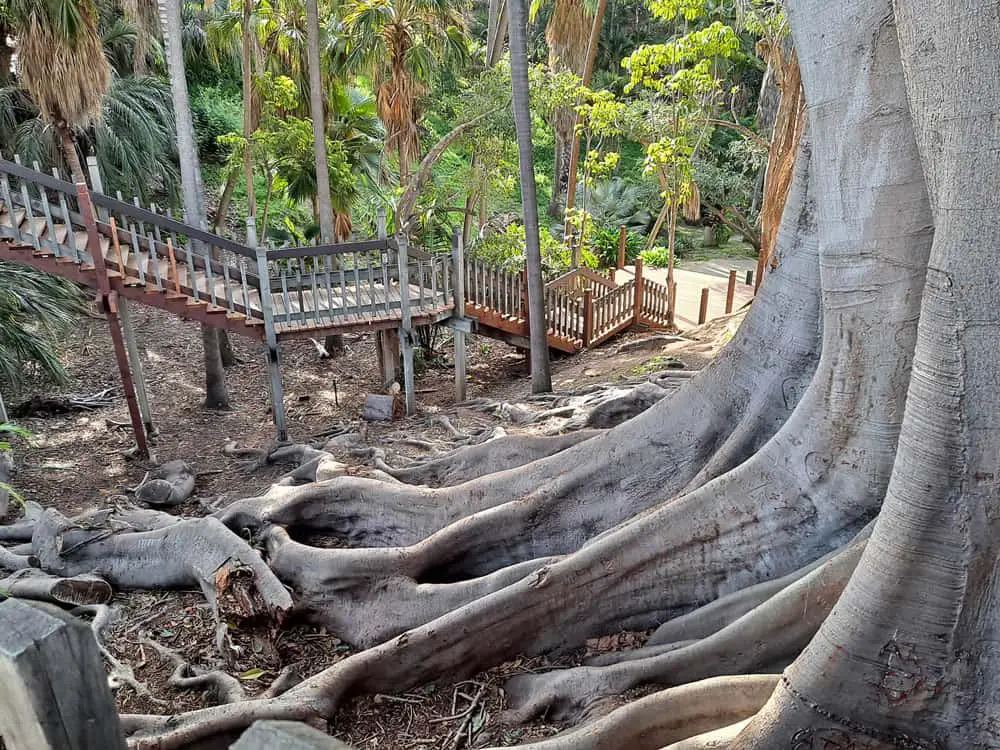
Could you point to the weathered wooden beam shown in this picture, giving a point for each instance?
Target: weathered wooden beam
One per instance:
(286, 735)
(135, 360)
(406, 329)
(53, 690)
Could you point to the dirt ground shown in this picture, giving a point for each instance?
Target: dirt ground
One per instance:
(78, 461)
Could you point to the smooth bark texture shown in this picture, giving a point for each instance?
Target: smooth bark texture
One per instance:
(318, 116)
(909, 656)
(541, 378)
(216, 392)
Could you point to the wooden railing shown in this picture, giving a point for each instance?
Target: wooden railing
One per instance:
(564, 315)
(495, 289)
(614, 312)
(655, 308)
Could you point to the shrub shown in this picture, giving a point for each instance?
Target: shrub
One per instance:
(605, 245)
(216, 112)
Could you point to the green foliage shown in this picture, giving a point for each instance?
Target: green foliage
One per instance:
(35, 309)
(615, 202)
(604, 244)
(506, 250)
(216, 110)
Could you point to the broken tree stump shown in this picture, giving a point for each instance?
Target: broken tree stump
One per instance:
(53, 689)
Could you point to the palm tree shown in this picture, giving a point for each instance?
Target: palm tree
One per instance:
(572, 33)
(400, 43)
(216, 393)
(318, 115)
(62, 66)
(35, 308)
(541, 378)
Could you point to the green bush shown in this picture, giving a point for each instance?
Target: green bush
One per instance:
(605, 245)
(216, 111)
(506, 250)
(659, 256)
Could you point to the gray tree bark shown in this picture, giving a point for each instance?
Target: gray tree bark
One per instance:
(216, 392)
(541, 378)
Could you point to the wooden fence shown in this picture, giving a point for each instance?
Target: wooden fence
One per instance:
(54, 691)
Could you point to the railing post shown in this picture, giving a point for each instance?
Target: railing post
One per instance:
(622, 244)
(406, 329)
(55, 693)
(703, 308)
(458, 275)
(107, 299)
(273, 352)
(380, 223)
(588, 317)
(96, 182)
(731, 291)
(637, 313)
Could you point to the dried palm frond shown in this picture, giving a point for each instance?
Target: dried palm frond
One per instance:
(61, 60)
(692, 205)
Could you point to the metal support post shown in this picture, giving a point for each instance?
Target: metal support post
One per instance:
(273, 352)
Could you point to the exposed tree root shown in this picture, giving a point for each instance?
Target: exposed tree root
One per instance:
(719, 739)
(167, 485)
(490, 457)
(669, 716)
(224, 687)
(776, 630)
(198, 552)
(34, 584)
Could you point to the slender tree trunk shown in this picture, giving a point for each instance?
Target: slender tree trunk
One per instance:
(249, 99)
(541, 379)
(325, 204)
(216, 393)
(225, 201)
(574, 154)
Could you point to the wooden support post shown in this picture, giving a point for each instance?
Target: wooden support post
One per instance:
(135, 360)
(108, 301)
(55, 692)
(380, 223)
(273, 352)
(731, 291)
(96, 183)
(703, 308)
(286, 735)
(588, 317)
(406, 329)
(622, 244)
(637, 312)
(387, 342)
(749, 278)
(458, 274)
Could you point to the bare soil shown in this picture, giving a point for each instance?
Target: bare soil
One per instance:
(79, 461)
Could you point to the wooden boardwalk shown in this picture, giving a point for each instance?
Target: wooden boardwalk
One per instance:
(129, 252)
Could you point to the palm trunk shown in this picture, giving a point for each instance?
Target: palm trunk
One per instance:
(574, 153)
(541, 379)
(216, 393)
(249, 125)
(68, 143)
(325, 204)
